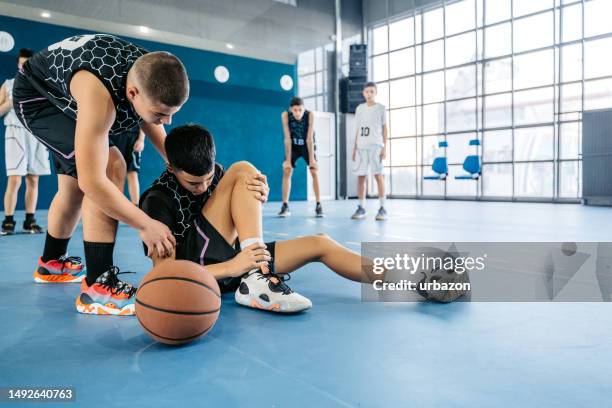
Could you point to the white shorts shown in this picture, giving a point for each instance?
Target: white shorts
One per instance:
(24, 154)
(368, 159)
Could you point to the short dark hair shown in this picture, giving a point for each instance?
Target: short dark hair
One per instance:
(369, 84)
(296, 101)
(25, 53)
(163, 78)
(191, 148)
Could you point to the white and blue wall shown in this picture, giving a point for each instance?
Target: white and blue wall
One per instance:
(243, 113)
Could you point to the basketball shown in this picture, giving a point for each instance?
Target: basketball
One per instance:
(177, 302)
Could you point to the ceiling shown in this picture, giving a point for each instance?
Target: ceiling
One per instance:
(264, 29)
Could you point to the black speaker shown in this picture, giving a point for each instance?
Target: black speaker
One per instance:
(351, 93)
(358, 60)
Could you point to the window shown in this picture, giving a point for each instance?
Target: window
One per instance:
(460, 16)
(533, 32)
(534, 69)
(401, 33)
(516, 74)
(597, 14)
(401, 63)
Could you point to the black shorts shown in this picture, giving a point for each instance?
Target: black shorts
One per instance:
(52, 127)
(125, 143)
(202, 244)
(301, 151)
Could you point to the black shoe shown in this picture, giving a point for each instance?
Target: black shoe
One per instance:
(319, 211)
(284, 212)
(32, 227)
(8, 227)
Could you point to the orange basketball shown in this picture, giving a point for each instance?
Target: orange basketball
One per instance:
(177, 302)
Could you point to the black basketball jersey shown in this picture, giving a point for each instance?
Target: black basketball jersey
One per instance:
(185, 206)
(298, 128)
(107, 57)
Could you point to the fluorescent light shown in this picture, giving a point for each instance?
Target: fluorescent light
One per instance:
(144, 29)
(45, 14)
(229, 46)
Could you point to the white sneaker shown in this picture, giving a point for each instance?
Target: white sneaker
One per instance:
(257, 290)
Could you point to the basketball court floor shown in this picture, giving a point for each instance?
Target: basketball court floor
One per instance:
(340, 353)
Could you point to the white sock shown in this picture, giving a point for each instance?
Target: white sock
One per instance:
(250, 241)
(382, 200)
(362, 202)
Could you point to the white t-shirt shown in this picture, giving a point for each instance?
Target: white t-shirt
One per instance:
(369, 122)
(10, 119)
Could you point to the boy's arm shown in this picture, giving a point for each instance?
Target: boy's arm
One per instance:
(310, 140)
(356, 132)
(95, 116)
(157, 136)
(6, 103)
(139, 144)
(286, 138)
(385, 132)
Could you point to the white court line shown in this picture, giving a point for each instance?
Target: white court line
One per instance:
(352, 243)
(407, 238)
(281, 234)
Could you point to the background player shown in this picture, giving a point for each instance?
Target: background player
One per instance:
(24, 156)
(370, 149)
(298, 130)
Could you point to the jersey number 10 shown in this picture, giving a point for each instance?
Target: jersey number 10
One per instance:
(365, 131)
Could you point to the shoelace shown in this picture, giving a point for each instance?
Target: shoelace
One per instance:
(115, 285)
(281, 281)
(70, 259)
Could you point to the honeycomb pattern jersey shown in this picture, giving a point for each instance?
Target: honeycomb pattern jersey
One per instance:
(107, 57)
(186, 206)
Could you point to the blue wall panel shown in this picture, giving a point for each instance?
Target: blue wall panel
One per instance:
(243, 114)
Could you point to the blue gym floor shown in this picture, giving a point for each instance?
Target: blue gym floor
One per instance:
(342, 352)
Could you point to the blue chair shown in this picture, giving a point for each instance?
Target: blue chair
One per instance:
(472, 164)
(439, 166)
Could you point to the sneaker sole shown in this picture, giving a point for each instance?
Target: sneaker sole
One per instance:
(38, 278)
(99, 309)
(358, 217)
(32, 231)
(284, 215)
(319, 215)
(381, 218)
(253, 302)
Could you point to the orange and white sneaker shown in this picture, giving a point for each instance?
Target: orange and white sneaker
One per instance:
(107, 296)
(66, 269)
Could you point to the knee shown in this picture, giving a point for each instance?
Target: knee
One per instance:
(313, 172)
(14, 182)
(242, 169)
(116, 169)
(287, 171)
(322, 239)
(32, 181)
